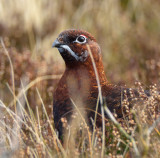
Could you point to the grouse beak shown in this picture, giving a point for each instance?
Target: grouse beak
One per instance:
(56, 44)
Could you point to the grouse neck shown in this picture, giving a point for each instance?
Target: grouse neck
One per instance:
(87, 72)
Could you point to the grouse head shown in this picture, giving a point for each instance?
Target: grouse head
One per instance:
(75, 47)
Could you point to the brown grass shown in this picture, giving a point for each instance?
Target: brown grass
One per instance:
(128, 33)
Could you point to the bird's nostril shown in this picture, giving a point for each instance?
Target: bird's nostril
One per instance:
(56, 43)
(60, 39)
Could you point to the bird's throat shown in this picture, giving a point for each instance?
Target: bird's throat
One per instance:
(82, 81)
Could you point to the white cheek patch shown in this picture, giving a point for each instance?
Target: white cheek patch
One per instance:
(70, 51)
(83, 56)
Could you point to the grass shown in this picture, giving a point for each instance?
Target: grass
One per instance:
(128, 34)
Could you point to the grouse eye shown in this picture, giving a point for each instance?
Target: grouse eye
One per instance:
(81, 39)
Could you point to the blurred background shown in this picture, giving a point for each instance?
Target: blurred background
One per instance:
(128, 32)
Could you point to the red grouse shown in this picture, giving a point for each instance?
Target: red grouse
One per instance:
(79, 79)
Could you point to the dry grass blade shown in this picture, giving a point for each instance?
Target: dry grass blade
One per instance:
(17, 123)
(94, 124)
(121, 129)
(12, 71)
(89, 134)
(37, 80)
(15, 116)
(100, 99)
(55, 137)
(151, 128)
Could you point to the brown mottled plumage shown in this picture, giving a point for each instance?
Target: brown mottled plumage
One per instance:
(79, 79)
